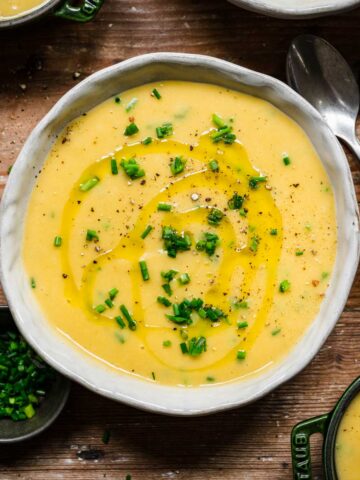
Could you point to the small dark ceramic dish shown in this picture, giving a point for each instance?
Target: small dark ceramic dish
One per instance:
(81, 12)
(327, 425)
(10, 431)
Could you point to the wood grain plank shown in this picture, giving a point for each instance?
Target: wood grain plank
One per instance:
(37, 66)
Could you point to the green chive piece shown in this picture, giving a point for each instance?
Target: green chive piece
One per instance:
(109, 303)
(184, 348)
(156, 93)
(89, 184)
(106, 437)
(284, 286)
(57, 241)
(114, 167)
(117, 100)
(120, 321)
(299, 253)
(112, 293)
(132, 168)
(32, 282)
(173, 242)
(275, 332)
(215, 216)
(177, 165)
(241, 354)
(167, 289)
(29, 411)
(166, 130)
(214, 166)
(241, 304)
(164, 207)
(131, 104)
(255, 181)
(147, 141)
(210, 379)
(218, 121)
(274, 231)
(208, 243)
(131, 129)
(236, 202)
(100, 308)
(324, 275)
(131, 322)
(286, 160)
(184, 279)
(254, 243)
(166, 343)
(169, 275)
(164, 301)
(91, 235)
(242, 324)
(153, 375)
(144, 270)
(146, 231)
(196, 346)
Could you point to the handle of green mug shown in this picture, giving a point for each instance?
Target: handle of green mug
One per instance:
(82, 13)
(300, 444)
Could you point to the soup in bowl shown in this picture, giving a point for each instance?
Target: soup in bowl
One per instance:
(181, 239)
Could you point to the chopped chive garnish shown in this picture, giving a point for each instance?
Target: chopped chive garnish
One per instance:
(236, 202)
(286, 160)
(208, 243)
(131, 322)
(184, 279)
(214, 166)
(218, 121)
(147, 141)
(117, 100)
(153, 375)
(146, 231)
(276, 331)
(210, 379)
(167, 289)
(177, 165)
(132, 168)
(156, 93)
(243, 212)
(254, 243)
(241, 354)
(184, 348)
(241, 304)
(242, 324)
(298, 253)
(112, 293)
(131, 104)
(254, 182)
(164, 207)
(131, 129)
(144, 270)
(223, 132)
(106, 437)
(215, 216)
(32, 282)
(196, 346)
(100, 308)
(57, 241)
(273, 231)
(114, 167)
(166, 343)
(109, 303)
(164, 301)
(89, 184)
(120, 321)
(164, 131)
(92, 235)
(169, 275)
(284, 286)
(173, 242)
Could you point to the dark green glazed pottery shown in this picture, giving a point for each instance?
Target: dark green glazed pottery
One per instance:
(327, 425)
(81, 12)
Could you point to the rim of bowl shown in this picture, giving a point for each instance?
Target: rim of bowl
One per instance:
(29, 15)
(288, 11)
(69, 360)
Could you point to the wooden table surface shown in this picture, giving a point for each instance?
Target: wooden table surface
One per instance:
(40, 63)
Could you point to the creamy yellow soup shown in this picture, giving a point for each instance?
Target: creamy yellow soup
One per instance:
(11, 8)
(347, 453)
(223, 200)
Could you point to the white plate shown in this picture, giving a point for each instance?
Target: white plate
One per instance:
(72, 362)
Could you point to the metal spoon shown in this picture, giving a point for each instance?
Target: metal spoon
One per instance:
(320, 74)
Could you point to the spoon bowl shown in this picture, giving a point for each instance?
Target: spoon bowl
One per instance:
(317, 71)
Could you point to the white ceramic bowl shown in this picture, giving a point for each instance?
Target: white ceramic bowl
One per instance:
(297, 8)
(72, 362)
